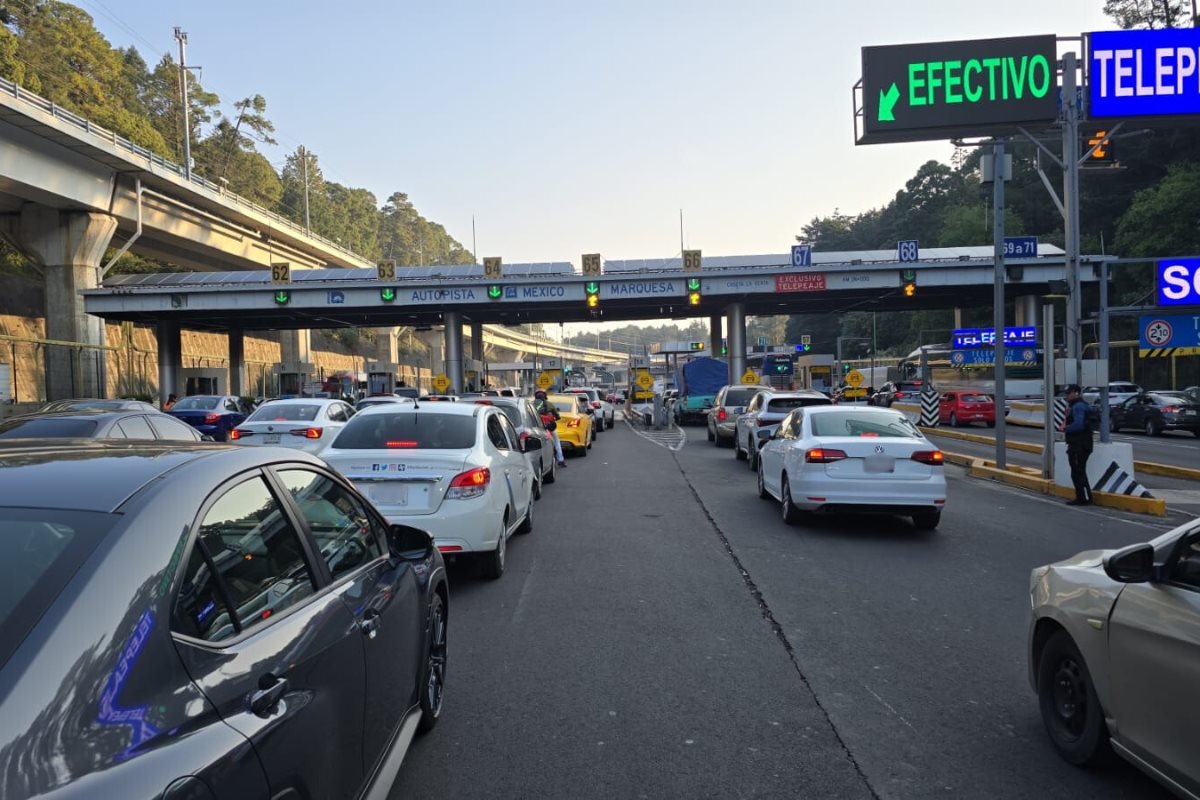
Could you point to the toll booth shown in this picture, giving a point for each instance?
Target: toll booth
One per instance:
(815, 372)
(292, 382)
(381, 379)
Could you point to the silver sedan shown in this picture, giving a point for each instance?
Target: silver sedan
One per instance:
(1114, 655)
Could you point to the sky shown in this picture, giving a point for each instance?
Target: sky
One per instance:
(568, 128)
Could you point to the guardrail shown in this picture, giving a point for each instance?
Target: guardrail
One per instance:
(121, 143)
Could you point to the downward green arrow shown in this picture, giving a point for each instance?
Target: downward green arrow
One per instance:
(887, 102)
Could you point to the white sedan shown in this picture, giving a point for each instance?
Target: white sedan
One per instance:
(308, 424)
(456, 470)
(1113, 649)
(857, 460)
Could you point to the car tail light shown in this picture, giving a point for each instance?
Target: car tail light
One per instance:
(1171, 409)
(595, 404)
(471, 483)
(211, 418)
(238, 433)
(823, 455)
(396, 444)
(934, 458)
(308, 433)
(721, 414)
(574, 423)
(899, 395)
(449, 548)
(484, 403)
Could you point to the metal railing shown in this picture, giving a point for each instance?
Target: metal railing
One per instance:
(56, 111)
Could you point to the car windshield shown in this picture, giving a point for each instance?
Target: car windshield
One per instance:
(408, 428)
(854, 423)
(40, 549)
(285, 412)
(740, 397)
(569, 406)
(198, 403)
(782, 405)
(47, 428)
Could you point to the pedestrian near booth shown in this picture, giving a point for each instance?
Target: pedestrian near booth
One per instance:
(1078, 430)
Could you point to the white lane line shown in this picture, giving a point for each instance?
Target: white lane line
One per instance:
(674, 438)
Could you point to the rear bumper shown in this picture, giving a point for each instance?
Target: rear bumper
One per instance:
(457, 523)
(573, 440)
(862, 497)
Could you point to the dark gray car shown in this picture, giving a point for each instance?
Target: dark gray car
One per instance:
(207, 621)
(99, 423)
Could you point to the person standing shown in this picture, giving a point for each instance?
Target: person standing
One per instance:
(167, 406)
(548, 413)
(1079, 445)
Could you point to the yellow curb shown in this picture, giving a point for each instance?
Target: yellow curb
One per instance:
(1167, 470)
(1028, 478)
(1025, 447)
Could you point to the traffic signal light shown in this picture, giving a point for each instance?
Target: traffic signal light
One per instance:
(845, 368)
(724, 347)
(1104, 151)
(694, 293)
(592, 290)
(908, 281)
(282, 297)
(387, 294)
(803, 348)
(495, 291)
(695, 345)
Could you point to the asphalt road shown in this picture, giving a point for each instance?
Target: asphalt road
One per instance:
(662, 633)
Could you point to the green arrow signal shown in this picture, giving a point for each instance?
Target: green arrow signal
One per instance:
(693, 284)
(494, 292)
(887, 102)
(281, 298)
(592, 287)
(387, 295)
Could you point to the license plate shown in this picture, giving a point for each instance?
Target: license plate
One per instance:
(392, 494)
(271, 438)
(879, 464)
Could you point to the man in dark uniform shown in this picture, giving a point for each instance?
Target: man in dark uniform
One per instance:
(1079, 445)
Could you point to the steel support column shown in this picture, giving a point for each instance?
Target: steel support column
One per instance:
(1026, 307)
(715, 335)
(454, 350)
(736, 313)
(1071, 213)
(237, 362)
(170, 359)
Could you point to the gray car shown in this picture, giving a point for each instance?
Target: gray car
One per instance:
(99, 423)
(730, 401)
(766, 410)
(1114, 641)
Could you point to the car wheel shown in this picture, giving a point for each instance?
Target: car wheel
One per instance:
(493, 564)
(537, 482)
(433, 682)
(709, 431)
(953, 420)
(1152, 429)
(791, 514)
(1070, 708)
(927, 520)
(527, 523)
(553, 476)
(583, 450)
(738, 452)
(762, 483)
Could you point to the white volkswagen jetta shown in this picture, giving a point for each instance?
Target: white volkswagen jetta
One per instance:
(457, 470)
(308, 424)
(859, 460)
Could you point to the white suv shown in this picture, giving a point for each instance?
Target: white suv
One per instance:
(603, 414)
(1117, 393)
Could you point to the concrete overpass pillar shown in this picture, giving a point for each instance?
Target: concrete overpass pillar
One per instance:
(69, 247)
(295, 350)
(477, 341)
(386, 351)
(237, 362)
(737, 340)
(170, 360)
(715, 335)
(1028, 309)
(454, 351)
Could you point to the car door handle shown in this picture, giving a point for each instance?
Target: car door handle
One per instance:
(271, 691)
(369, 624)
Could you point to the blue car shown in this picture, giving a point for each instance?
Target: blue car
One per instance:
(211, 414)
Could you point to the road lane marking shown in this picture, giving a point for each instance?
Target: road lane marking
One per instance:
(673, 438)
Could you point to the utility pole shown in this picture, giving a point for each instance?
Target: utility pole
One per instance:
(1000, 394)
(304, 172)
(1071, 212)
(181, 37)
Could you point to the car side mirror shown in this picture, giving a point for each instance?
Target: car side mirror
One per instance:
(410, 543)
(1133, 564)
(531, 444)
(765, 434)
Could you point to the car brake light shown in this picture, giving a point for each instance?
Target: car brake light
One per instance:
(210, 418)
(899, 395)
(484, 403)
(238, 433)
(449, 548)
(1171, 409)
(821, 455)
(721, 414)
(573, 423)
(308, 433)
(394, 444)
(934, 458)
(471, 483)
(595, 404)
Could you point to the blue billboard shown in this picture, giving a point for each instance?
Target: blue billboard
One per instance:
(1179, 282)
(972, 338)
(1169, 330)
(1144, 73)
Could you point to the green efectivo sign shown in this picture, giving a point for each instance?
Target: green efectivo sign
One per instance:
(913, 92)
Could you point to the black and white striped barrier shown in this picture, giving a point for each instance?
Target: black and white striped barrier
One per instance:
(1115, 480)
(929, 409)
(1060, 412)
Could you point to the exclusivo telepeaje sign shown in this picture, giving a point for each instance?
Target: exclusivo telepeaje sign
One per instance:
(1149, 73)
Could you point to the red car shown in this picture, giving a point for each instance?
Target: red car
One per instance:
(963, 408)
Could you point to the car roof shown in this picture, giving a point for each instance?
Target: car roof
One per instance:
(790, 393)
(99, 475)
(856, 409)
(462, 409)
(99, 414)
(300, 401)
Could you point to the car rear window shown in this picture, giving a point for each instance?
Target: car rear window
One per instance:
(854, 423)
(47, 428)
(40, 549)
(975, 398)
(409, 429)
(740, 397)
(200, 403)
(286, 412)
(782, 405)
